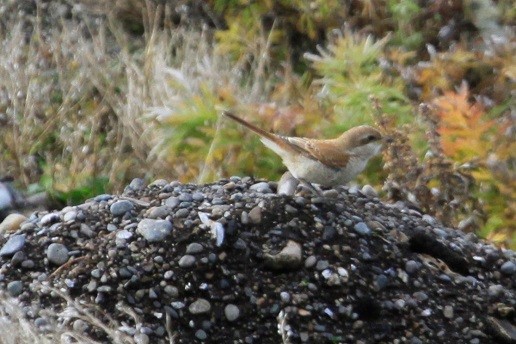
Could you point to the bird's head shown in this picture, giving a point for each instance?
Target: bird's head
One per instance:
(363, 141)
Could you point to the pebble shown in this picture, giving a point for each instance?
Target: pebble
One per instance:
(18, 257)
(287, 184)
(255, 215)
(49, 219)
(194, 247)
(121, 207)
(124, 234)
(172, 202)
(185, 197)
(322, 265)
(80, 326)
(261, 187)
(288, 258)
(200, 306)
(362, 229)
(231, 312)
(369, 191)
(70, 216)
(135, 185)
(141, 338)
(508, 268)
(310, 262)
(183, 212)
(159, 212)
(201, 334)
(13, 245)
(448, 312)
(57, 253)
(11, 223)
(495, 290)
(154, 230)
(411, 266)
(15, 288)
(186, 261)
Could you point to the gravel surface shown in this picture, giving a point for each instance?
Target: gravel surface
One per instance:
(233, 262)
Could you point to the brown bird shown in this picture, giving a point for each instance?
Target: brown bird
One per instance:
(326, 162)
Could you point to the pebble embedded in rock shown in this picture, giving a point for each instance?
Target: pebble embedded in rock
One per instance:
(362, 229)
(448, 312)
(411, 266)
(13, 245)
(231, 312)
(255, 215)
(57, 253)
(194, 248)
(15, 288)
(369, 191)
(11, 223)
(200, 306)
(186, 261)
(201, 334)
(288, 258)
(121, 207)
(154, 230)
(508, 268)
(49, 219)
(261, 187)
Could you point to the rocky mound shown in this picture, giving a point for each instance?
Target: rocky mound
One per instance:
(233, 262)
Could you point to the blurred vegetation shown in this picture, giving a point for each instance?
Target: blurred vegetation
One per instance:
(94, 94)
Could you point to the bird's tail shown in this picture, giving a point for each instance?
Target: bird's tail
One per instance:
(264, 134)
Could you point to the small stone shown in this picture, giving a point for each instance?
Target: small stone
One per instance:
(124, 234)
(11, 223)
(201, 334)
(49, 219)
(331, 194)
(57, 253)
(261, 187)
(288, 258)
(310, 262)
(141, 338)
(194, 248)
(121, 207)
(322, 265)
(154, 230)
(287, 184)
(185, 197)
(183, 212)
(172, 202)
(15, 288)
(508, 268)
(411, 266)
(171, 291)
(399, 304)
(285, 296)
(159, 212)
(13, 245)
(135, 185)
(231, 312)
(200, 306)
(369, 191)
(255, 215)
(80, 326)
(362, 229)
(448, 312)
(495, 290)
(18, 257)
(187, 261)
(70, 216)
(381, 281)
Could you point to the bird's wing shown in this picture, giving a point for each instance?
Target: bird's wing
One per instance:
(325, 151)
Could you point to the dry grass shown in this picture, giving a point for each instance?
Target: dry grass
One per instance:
(82, 100)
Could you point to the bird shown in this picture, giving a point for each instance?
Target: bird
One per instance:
(327, 162)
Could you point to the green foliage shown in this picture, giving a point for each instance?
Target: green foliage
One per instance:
(350, 73)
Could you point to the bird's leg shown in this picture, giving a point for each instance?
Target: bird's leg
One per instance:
(311, 187)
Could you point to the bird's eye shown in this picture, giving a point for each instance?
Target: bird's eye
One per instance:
(369, 138)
